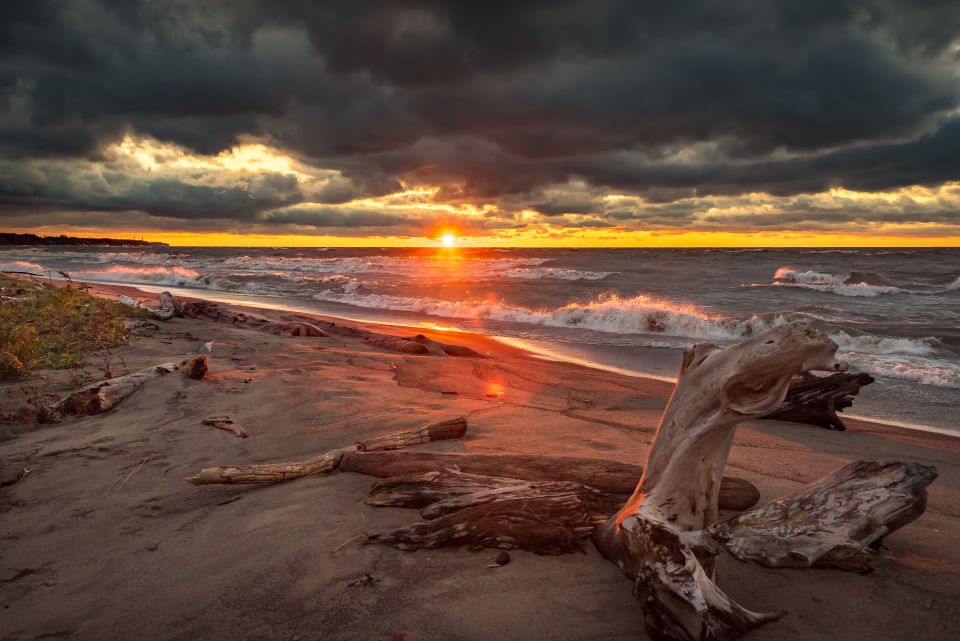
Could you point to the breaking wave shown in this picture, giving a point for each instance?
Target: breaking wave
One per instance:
(849, 285)
(175, 276)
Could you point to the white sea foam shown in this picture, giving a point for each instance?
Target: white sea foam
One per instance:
(22, 266)
(610, 313)
(176, 276)
(912, 368)
(832, 283)
(556, 273)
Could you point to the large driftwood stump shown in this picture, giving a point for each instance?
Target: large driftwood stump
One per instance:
(652, 538)
(832, 522)
(816, 400)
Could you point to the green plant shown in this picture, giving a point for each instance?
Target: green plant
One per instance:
(44, 327)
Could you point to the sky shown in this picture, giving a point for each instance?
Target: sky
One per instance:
(560, 123)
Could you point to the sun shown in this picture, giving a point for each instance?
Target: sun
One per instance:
(448, 239)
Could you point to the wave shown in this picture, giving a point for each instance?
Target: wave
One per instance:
(555, 273)
(176, 276)
(911, 368)
(21, 265)
(854, 284)
(954, 285)
(609, 313)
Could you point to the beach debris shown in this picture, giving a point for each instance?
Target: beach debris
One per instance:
(207, 348)
(397, 344)
(366, 580)
(195, 367)
(168, 308)
(226, 424)
(502, 558)
(444, 349)
(278, 472)
(152, 547)
(412, 469)
(833, 521)
(665, 536)
(128, 301)
(816, 400)
(220, 314)
(454, 428)
(99, 397)
(17, 476)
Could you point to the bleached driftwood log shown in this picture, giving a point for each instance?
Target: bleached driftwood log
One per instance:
(278, 472)
(454, 428)
(168, 307)
(832, 522)
(652, 538)
(102, 396)
(816, 400)
(607, 476)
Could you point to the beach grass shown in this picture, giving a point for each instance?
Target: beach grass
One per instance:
(46, 327)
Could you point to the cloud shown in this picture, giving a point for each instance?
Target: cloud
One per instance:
(546, 107)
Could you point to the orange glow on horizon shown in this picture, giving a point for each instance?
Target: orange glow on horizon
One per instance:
(558, 237)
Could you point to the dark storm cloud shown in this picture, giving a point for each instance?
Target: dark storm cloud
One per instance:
(489, 101)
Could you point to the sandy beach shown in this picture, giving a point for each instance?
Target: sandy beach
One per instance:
(103, 539)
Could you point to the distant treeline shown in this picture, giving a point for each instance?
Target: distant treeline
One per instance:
(33, 239)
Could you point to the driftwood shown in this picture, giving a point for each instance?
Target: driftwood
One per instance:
(99, 397)
(546, 518)
(455, 428)
(607, 476)
(437, 348)
(654, 537)
(218, 313)
(832, 522)
(102, 396)
(816, 400)
(279, 472)
(298, 325)
(226, 424)
(397, 344)
(169, 308)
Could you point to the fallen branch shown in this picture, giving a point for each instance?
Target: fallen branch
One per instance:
(226, 424)
(455, 428)
(279, 472)
(832, 522)
(817, 400)
(607, 476)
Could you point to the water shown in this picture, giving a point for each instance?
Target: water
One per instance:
(894, 312)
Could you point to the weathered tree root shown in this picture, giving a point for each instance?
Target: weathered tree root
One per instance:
(279, 472)
(816, 400)
(607, 476)
(832, 522)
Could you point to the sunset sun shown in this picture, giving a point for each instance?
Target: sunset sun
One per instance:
(448, 239)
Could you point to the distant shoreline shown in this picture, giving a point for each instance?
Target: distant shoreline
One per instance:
(20, 240)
